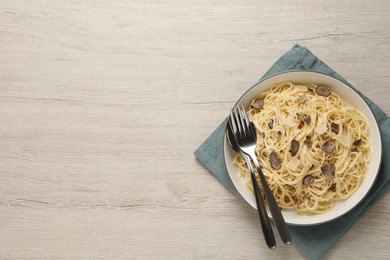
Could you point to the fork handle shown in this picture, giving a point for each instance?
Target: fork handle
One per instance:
(273, 206)
(261, 210)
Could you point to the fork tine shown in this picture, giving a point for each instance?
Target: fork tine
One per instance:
(246, 120)
(232, 123)
(242, 120)
(237, 120)
(235, 123)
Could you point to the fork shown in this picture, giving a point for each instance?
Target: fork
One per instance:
(260, 203)
(245, 134)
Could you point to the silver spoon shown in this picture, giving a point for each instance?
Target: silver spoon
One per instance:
(261, 210)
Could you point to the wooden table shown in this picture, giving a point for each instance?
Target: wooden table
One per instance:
(102, 104)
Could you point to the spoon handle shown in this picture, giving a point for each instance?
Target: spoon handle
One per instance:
(273, 206)
(261, 210)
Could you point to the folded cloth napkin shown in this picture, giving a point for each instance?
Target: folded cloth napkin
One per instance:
(311, 241)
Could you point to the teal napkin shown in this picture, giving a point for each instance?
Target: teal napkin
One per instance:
(312, 241)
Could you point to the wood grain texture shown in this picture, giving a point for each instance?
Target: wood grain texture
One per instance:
(102, 105)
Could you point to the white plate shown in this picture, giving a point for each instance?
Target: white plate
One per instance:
(350, 97)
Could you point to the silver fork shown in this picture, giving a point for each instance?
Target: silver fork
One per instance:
(245, 134)
(260, 203)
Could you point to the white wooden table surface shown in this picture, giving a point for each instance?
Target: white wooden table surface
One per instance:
(102, 104)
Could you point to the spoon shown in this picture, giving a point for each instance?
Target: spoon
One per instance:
(261, 210)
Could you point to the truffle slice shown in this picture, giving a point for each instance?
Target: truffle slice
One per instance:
(333, 187)
(271, 124)
(323, 91)
(307, 180)
(305, 118)
(328, 170)
(257, 103)
(294, 147)
(275, 161)
(358, 142)
(328, 146)
(334, 128)
(308, 141)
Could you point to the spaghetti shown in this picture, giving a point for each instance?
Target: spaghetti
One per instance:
(313, 148)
